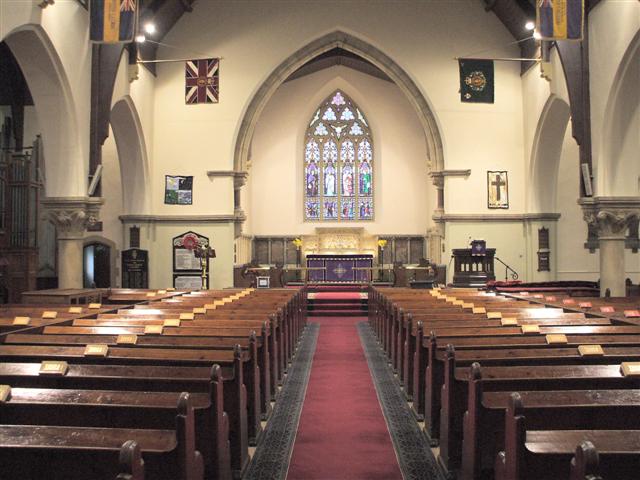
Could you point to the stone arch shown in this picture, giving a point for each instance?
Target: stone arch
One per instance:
(114, 255)
(44, 73)
(339, 39)
(620, 143)
(132, 155)
(545, 155)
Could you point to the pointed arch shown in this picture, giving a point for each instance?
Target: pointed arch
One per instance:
(620, 144)
(545, 154)
(339, 39)
(132, 155)
(66, 170)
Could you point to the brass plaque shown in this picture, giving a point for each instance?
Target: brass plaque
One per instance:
(550, 299)
(630, 369)
(199, 310)
(127, 339)
(467, 305)
(5, 393)
(632, 313)
(151, 294)
(21, 320)
(171, 322)
(53, 367)
(509, 322)
(153, 330)
(556, 338)
(494, 314)
(585, 305)
(171, 289)
(187, 316)
(568, 301)
(95, 306)
(607, 309)
(590, 350)
(75, 310)
(479, 310)
(96, 350)
(162, 292)
(530, 328)
(49, 315)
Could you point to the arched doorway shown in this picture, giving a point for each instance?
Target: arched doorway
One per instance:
(96, 265)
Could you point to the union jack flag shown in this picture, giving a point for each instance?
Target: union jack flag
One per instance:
(202, 81)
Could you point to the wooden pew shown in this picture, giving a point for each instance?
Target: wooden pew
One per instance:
(547, 454)
(57, 453)
(130, 460)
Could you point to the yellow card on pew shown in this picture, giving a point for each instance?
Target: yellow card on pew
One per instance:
(556, 338)
(494, 314)
(162, 292)
(509, 322)
(218, 303)
(467, 305)
(590, 350)
(450, 299)
(187, 316)
(75, 310)
(479, 310)
(530, 328)
(459, 302)
(21, 320)
(127, 339)
(95, 306)
(53, 367)
(171, 322)
(5, 393)
(630, 369)
(433, 293)
(199, 311)
(153, 330)
(49, 315)
(96, 350)
(171, 289)
(210, 306)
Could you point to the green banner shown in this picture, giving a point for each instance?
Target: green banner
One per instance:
(476, 80)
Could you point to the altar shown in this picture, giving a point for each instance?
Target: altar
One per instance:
(339, 268)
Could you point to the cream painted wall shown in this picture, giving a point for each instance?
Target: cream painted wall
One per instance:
(401, 183)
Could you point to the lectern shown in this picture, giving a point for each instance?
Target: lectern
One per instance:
(472, 268)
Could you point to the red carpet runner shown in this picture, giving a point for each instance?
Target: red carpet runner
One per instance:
(342, 432)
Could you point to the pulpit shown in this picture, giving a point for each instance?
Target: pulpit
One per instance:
(471, 269)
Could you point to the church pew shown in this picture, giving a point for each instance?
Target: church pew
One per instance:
(454, 395)
(585, 463)
(81, 453)
(246, 361)
(152, 379)
(544, 454)
(131, 466)
(159, 341)
(122, 409)
(483, 424)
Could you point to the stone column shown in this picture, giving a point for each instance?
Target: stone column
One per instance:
(70, 216)
(610, 217)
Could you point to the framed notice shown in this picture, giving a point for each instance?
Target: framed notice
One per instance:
(187, 282)
(497, 190)
(178, 190)
(184, 259)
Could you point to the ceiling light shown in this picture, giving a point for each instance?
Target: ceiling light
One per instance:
(529, 25)
(140, 38)
(150, 28)
(537, 35)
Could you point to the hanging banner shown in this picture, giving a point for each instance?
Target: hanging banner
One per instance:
(113, 21)
(560, 19)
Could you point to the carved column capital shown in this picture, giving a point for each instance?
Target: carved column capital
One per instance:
(610, 217)
(71, 215)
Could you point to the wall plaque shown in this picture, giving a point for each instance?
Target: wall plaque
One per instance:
(135, 268)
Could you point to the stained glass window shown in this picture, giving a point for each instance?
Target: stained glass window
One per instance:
(338, 162)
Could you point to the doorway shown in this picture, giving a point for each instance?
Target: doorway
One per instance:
(97, 265)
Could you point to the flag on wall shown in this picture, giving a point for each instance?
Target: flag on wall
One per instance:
(476, 80)
(560, 19)
(113, 21)
(202, 81)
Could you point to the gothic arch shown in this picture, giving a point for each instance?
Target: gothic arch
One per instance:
(545, 155)
(47, 80)
(620, 143)
(132, 155)
(339, 39)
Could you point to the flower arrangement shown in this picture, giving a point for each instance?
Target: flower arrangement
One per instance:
(297, 242)
(382, 243)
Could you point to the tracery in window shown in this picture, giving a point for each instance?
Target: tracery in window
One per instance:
(338, 159)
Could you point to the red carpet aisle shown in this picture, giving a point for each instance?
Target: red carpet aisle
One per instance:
(342, 433)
